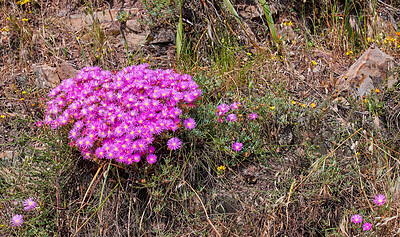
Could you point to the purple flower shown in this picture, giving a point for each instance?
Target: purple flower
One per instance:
(30, 204)
(356, 219)
(151, 149)
(235, 105)
(151, 158)
(231, 117)
(253, 116)
(174, 143)
(367, 226)
(136, 157)
(121, 110)
(380, 200)
(190, 123)
(17, 220)
(237, 146)
(222, 109)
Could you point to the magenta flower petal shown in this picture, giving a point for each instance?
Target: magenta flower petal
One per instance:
(367, 226)
(380, 200)
(356, 219)
(190, 123)
(17, 220)
(231, 118)
(151, 158)
(237, 146)
(253, 116)
(235, 105)
(30, 204)
(174, 143)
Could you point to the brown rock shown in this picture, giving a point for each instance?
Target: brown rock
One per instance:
(46, 76)
(78, 21)
(66, 70)
(369, 72)
(133, 25)
(162, 36)
(135, 40)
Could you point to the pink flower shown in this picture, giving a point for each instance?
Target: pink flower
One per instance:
(235, 105)
(151, 158)
(253, 116)
(17, 220)
(30, 204)
(356, 219)
(231, 117)
(174, 143)
(222, 109)
(237, 146)
(380, 200)
(367, 226)
(190, 123)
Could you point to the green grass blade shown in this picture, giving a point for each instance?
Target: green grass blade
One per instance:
(231, 9)
(179, 36)
(268, 15)
(179, 33)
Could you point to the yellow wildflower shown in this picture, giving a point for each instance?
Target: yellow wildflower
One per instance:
(22, 99)
(293, 102)
(303, 105)
(290, 23)
(24, 19)
(314, 63)
(221, 169)
(23, 2)
(8, 19)
(2, 116)
(377, 91)
(313, 105)
(349, 53)
(272, 107)
(23, 92)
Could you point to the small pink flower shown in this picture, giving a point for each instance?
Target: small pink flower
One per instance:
(231, 117)
(356, 219)
(30, 204)
(380, 200)
(253, 116)
(190, 123)
(237, 146)
(174, 143)
(151, 158)
(367, 226)
(17, 220)
(235, 105)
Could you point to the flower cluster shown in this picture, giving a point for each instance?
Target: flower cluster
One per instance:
(117, 115)
(356, 219)
(29, 205)
(223, 109)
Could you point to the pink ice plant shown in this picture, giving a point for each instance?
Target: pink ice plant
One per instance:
(380, 200)
(231, 118)
(17, 220)
(253, 116)
(190, 123)
(118, 115)
(30, 204)
(237, 146)
(367, 226)
(356, 219)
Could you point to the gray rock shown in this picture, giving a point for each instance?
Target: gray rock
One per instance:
(369, 72)
(46, 76)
